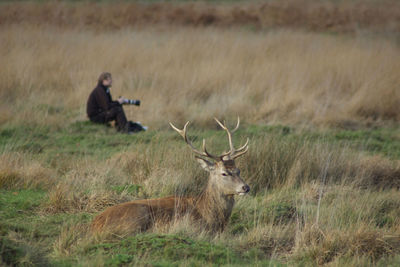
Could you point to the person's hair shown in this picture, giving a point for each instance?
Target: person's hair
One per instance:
(104, 76)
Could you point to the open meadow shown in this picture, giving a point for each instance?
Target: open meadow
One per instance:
(316, 85)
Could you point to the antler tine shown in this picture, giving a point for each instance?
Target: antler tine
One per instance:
(208, 154)
(240, 151)
(181, 132)
(237, 125)
(233, 153)
(220, 123)
(232, 149)
(200, 153)
(238, 154)
(243, 147)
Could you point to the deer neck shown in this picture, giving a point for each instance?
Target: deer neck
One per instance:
(214, 207)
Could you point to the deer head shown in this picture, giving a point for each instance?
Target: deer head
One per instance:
(224, 175)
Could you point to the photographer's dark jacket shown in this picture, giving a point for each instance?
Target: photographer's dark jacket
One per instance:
(100, 101)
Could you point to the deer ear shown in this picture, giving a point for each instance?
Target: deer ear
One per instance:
(205, 164)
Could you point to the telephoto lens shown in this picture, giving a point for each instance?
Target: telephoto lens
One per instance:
(134, 102)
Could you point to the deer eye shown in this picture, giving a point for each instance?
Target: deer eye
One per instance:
(224, 174)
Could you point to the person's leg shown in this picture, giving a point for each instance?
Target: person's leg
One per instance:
(117, 113)
(121, 120)
(99, 118)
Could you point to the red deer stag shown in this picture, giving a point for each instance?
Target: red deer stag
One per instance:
(212, 208)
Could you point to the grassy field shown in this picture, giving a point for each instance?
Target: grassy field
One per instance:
(180, 74)
(320, 196)
(320, 108)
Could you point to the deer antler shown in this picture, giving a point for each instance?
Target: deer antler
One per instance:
(203, 153)
(233, 153)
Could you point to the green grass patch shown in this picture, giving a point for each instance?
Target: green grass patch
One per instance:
(131, 189)
(82, 139)
(10, 252)
(21, 219)
(385, 140)
(165, 250)
(17, 202)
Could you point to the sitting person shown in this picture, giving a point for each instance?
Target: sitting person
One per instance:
(102, 109)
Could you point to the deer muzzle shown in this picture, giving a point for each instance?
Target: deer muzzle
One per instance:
(244, 190)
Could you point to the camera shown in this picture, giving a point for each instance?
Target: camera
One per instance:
(132, 102)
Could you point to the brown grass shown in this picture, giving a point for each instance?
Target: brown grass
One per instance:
(184, 74)
(380, 172)
(325, 246)
(292, 164)
(85, 188)
(21, 171)
(336, 16)
(64, 199)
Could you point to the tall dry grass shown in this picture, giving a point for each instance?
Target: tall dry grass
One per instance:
(193, 74)
(18, 170)
(314, 15)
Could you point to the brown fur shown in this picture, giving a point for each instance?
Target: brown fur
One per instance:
(140, 215)
(212, 208)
